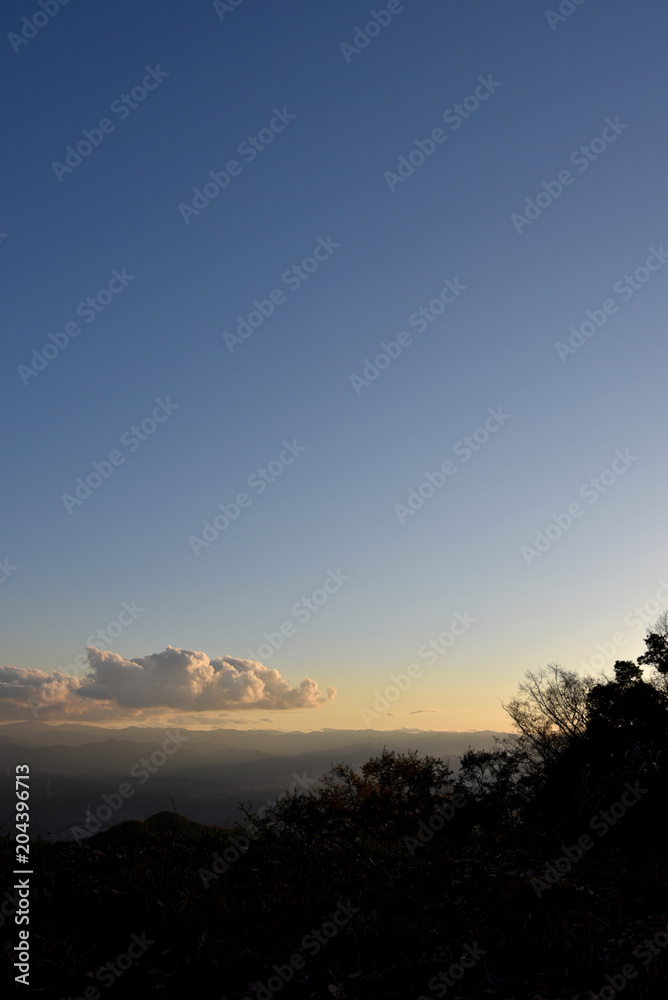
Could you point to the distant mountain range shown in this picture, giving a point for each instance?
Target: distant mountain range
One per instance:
(120, 774)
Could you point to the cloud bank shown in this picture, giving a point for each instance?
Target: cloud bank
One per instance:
(182, 680)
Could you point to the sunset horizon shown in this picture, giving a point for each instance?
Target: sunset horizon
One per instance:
(333, 583)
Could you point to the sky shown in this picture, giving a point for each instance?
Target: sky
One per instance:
(409, 257)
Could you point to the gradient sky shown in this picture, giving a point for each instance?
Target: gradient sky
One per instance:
(333, 509)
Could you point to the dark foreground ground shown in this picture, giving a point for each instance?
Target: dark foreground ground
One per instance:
(147, 909)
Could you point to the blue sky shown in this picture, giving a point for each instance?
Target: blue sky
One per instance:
(322, 181)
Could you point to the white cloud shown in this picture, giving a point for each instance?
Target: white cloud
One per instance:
(176, 679)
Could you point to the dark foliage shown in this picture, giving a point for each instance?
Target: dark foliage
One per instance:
(425, 865)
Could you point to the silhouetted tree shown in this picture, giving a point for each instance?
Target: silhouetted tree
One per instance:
(494, 784)
(657, 646)
(553, 708)
(625, 710)
(383, 802)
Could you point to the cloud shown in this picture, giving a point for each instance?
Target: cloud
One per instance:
(176, 679)
(19, 689)
(416, 711)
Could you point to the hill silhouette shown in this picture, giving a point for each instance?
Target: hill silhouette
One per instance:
(72, 766)
(537, 870)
